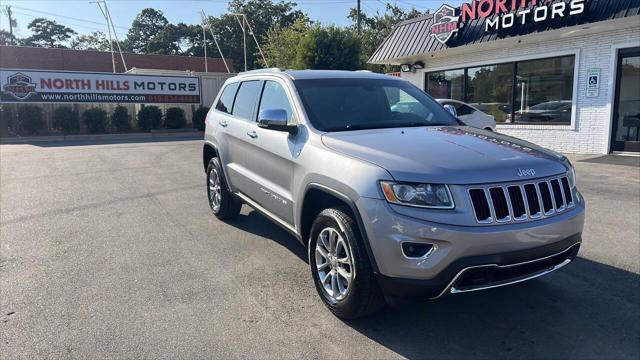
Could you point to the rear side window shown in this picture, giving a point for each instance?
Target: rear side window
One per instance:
(225, 103)
(245, 104)
(274, 97)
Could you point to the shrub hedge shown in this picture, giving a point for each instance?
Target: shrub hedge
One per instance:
(120, 119)
(199, 117)
(31, 118)
(66, 119)
(149, 117)
(95, 119)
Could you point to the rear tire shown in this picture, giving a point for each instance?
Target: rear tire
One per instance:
(340, 266)
(222, 202)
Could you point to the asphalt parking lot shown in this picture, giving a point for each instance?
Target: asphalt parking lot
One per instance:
(110, 251)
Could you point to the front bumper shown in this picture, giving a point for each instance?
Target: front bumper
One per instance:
(459, 247)
(487, 271)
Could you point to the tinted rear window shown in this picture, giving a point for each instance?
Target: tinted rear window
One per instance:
(245, 105)
(225, 103)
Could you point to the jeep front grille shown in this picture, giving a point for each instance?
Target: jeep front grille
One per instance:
(521, 202)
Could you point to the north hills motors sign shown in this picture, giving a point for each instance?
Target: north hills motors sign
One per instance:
(36, 86)
(500, 14)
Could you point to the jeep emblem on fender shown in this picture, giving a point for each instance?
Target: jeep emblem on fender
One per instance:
(445, 23)
(20, 86)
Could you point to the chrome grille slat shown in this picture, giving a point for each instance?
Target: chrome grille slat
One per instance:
(516, 202)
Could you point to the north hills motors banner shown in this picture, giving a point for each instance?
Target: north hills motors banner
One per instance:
(35, 86)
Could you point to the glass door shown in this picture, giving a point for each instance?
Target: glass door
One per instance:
(626, 116)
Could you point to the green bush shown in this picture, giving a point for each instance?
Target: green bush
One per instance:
(149, 117)
(6, 119)
(175, 118)
(66, 119)
(31, 118)
(330, 47)
(95, 119)
(120, 119)
(199, 117)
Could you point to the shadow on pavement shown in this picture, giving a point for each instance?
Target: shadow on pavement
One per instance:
(585, 310)
(256, 224)
(85, 142)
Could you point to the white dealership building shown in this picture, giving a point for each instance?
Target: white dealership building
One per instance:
(562, 74)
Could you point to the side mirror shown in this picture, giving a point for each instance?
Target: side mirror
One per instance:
(452, 110)
(276, 119)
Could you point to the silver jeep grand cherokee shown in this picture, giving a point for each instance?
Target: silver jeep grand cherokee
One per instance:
(389, 202)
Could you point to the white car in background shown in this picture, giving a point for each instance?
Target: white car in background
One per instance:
(470, 115)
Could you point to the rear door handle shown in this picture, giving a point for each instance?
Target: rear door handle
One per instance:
(252, 134)
(223, 123)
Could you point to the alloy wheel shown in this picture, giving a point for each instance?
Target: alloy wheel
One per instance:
(215, 194)
(334, 264)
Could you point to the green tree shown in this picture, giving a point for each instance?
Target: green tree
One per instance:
(148, 33)
(7, 39)
(48, 33)
(262, 15)
(97, 40)
(376, 28)
(281, 46)
(328, 47)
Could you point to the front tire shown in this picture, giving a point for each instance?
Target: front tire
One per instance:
(340, 266)
(222, 202)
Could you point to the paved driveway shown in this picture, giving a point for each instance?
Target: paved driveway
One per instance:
(110, 251)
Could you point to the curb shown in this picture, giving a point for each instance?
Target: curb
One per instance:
(131, 136)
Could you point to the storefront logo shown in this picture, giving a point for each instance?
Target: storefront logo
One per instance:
(501, 14)
(445, 23)
(20, 86)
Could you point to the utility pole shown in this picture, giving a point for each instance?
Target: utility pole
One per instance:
(359, 25)
(12, 22)
(215, 40)
(244, 25)
(107, 16)
(204, 43)
(244, 36)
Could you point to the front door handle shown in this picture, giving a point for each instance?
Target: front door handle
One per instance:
(252, 134)
(223, 123)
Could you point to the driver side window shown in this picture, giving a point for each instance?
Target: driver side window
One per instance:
(275, 97)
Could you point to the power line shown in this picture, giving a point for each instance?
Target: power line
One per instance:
(67, 23)
(65, 17)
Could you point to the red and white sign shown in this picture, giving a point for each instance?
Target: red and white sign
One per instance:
(500, 14)
(35, 86)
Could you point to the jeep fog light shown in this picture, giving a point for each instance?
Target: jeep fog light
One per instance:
(417, 250)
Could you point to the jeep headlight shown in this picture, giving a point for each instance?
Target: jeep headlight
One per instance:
(436, 196)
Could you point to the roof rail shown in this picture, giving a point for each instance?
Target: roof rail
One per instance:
(262, 70)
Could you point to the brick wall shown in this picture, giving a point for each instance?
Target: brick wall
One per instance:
(591, 130)
(18, 57)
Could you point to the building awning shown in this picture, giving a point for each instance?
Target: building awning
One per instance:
(413, 37)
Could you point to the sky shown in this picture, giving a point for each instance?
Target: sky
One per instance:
(85, 17)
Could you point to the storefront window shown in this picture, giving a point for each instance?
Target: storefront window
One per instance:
(446, 84)
(490, 89)
(544, 92)
(532, 92)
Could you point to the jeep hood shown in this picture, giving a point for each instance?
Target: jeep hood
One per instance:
(447, 155)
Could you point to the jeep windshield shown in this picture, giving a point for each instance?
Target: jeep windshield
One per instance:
(358, 104)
